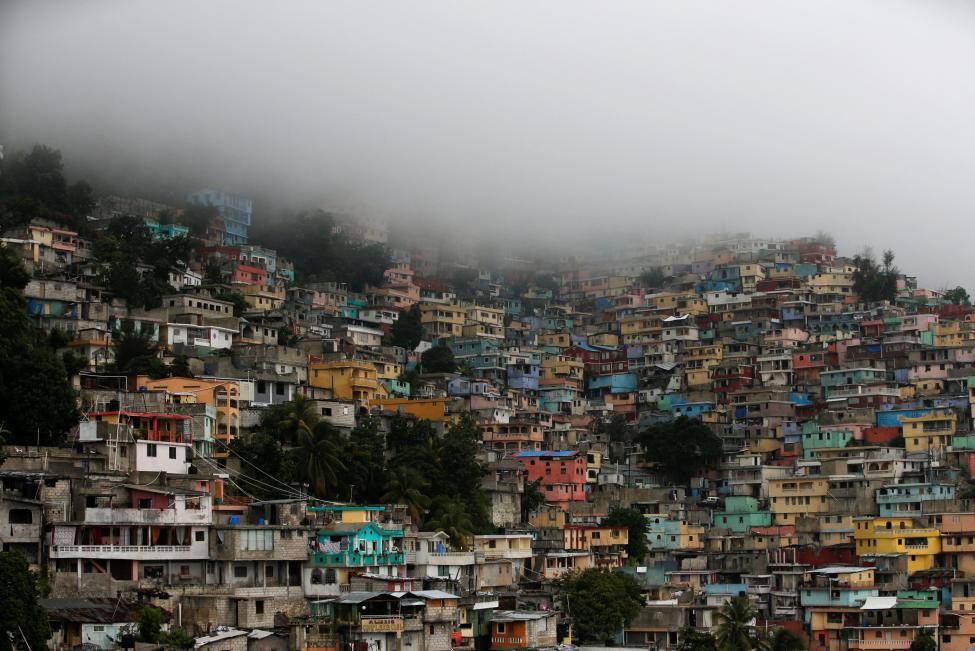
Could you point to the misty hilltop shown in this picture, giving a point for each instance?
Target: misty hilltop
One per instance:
(559, 122)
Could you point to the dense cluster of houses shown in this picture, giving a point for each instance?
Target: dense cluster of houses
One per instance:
(839, 506)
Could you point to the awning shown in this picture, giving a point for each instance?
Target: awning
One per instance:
(879, 603)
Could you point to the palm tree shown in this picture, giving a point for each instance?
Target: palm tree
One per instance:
(405, 485)
(734, 625)
(318, 458)
(297, 416)
(452, 518)
(781, 639)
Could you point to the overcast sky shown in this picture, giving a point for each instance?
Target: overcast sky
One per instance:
(574, 118)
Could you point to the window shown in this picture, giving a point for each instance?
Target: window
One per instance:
(259, 607)
(326, 411)
(21, 516)
(172, 452)
(240, 571)
(501, 628)
(199, 536)
(151, 450)
(330, 577)
(184, 570)
(256, 540)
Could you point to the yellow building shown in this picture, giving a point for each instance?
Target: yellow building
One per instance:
(952, 334)
(684, 303)
(837, 282)
(835, 529)
(263, 297)
(607, 339)
(222, 395)
(698, 362)
(442, 319)
(641, 328)
(555, 340)
(891, 535)
(562, 367)
(792, 497)
(426, 408)
(347, 379)
(388, 370)
(932, 430)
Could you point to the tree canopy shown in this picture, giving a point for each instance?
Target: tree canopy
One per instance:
(39, 404)
(407, 330)
(32, 184)
(20, 613)
(682, 447)
(439, 359)
(600, 603)
(875, 282)
(636, 525)
(323, 253)
(958, 296)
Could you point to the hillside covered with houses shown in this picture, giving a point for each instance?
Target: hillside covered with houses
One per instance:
(331, 433)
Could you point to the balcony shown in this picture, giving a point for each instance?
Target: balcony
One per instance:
(443, 558)
(510, 554)
(347, 559)
(136, 552)
(881, 643)
(440, 615)
(147, 516)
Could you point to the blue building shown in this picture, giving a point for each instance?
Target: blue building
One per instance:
(236, 212)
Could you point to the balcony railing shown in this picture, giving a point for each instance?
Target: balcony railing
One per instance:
(346, 559)
(112, 551)
(880, 643)
(507, 641)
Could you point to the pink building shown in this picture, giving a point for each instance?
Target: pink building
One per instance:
(562, 474)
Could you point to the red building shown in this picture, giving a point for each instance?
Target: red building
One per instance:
(600, 360)
(562, 474)
(245, 274)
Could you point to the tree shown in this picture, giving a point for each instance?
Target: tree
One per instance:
(682, 447)
(407, 330)
(20, 613)
(872, 282)
(149, 623)
(135, 352)
(957, 296)
(39, 404)
(198, 217)
(318, 460)
(180, 367)
(363, 457)
(176, 638)
(291, 419)
(636, 526)
(734, 631)
(439, 359)
(785, 640)
(600, 603)
(406, 486)
(531, 499)
(450, 516)
(692, 639)
(653, 278)
(924, 641)
(264, 465)
(324, 252)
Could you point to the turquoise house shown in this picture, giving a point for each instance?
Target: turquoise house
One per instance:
(740, 514)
